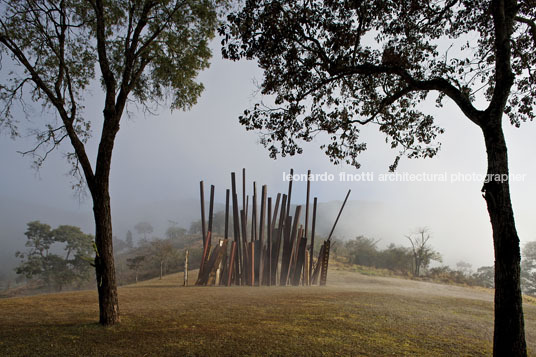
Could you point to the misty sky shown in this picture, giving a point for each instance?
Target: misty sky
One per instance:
(163, 158)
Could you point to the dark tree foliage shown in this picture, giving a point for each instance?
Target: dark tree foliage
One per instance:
(331, 66)
(141, 51)
(528, 268)
(54, 269)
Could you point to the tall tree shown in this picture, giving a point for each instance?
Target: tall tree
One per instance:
(144, 228)
(423, 253)
(334, 65)
(135, 263)
(148, 51)
(128, 240)
(52, 268)
(162, 250)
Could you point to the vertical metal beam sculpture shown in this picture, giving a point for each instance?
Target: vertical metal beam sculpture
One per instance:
(274, 233)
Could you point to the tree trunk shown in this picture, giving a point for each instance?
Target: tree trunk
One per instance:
(104, 259)
(161, 263)
(509, 333)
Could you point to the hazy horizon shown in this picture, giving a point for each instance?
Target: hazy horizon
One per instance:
(163, 158)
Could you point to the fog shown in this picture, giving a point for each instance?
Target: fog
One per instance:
(159, 160)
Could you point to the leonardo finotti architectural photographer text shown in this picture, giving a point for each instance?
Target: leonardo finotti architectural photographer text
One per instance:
(404, 177)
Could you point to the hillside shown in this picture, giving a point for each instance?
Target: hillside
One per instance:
(354, 315)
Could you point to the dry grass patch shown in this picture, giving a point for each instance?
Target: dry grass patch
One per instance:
(355, 316)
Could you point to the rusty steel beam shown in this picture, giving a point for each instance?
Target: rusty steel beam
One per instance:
(252, 259)
(244, 243)
(261, 234)
(311, 254)
(318, 265)
(202, 196)
(289, 194)
(293, 241)
(285, 257)
(236, 225)
(244, 190)
(339, 215)
(325, 262)
(254, 213)
(307, 203)
(300, 262)
(203, 258)
(277, 244)
(269, 242)
(231, 264)
(227, 193)
(211, 209)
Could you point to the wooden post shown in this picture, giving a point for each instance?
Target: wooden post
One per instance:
(187, 253)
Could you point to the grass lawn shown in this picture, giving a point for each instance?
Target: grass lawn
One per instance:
(356, 315)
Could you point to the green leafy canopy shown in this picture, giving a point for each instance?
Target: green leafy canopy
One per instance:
(149, 51)
(334, 65)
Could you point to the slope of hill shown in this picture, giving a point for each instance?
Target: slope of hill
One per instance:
(354, 315)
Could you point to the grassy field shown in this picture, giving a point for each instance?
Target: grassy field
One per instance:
(356, 315)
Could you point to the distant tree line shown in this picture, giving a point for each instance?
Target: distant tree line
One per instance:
(416, 259)
(61, 257)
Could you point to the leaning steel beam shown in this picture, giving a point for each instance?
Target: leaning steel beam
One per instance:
(339, 215)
